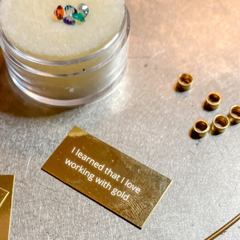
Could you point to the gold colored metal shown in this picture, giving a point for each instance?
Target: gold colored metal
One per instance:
(235, 114)
(213, 100)
(7, 183)
(220, 123)
(201, 127)
(108, 176)
(185, 81)
(3, 195)
(224, 228)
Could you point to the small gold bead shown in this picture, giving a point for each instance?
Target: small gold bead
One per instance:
(213, 100)
(201, 127)
(235, 114)
(185, 81)
(220, 123)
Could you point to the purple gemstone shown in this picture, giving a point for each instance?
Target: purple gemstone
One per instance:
(69, 20)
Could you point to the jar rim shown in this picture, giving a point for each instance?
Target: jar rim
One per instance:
(71, 61)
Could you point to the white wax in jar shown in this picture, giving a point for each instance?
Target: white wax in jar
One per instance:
(31, 26)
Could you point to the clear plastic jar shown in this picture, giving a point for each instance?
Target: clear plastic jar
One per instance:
(71, 82)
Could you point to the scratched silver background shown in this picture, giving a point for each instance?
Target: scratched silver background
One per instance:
(146, 119)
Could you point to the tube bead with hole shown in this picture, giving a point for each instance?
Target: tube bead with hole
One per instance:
(220, 123)
(201, 127)
(185, 81)
(235, 114)
(213, 100)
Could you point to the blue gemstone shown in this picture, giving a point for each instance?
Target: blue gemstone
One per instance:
(69, 20)
(70, 10)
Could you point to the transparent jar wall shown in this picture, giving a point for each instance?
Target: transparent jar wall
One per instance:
(73, 82)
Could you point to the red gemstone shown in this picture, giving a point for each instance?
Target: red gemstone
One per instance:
(59, 12)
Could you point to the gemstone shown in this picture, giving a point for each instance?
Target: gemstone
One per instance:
(79, 17)
(83, 8)
(69, 20)
(70, 10)
(59, 12)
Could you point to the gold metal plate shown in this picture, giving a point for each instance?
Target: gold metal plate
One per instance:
(108, 176)
(3, 195)
(6, 183)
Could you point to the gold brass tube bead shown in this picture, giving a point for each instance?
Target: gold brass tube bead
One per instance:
(235, 114)
(201, 127)
(213, 100)
(220, 123)
(185, 81)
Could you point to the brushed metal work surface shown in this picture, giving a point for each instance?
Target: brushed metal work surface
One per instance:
(147, 120)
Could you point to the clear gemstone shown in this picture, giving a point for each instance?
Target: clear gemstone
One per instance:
(83, 8)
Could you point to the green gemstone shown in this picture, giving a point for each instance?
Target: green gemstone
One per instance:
(79, 17)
